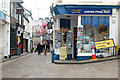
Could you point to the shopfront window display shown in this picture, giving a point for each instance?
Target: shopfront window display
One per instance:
(92, 34)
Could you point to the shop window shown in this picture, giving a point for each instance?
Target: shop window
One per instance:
(100, 32)
(4, 5)
(92, 34)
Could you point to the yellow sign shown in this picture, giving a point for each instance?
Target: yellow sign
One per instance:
(117, 48)
(104, 44)
(76, 11)
(18, 39)
(63, 53)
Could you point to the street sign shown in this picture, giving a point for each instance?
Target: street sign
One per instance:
(104, 44)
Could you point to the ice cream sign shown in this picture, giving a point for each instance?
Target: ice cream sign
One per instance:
(96, 11)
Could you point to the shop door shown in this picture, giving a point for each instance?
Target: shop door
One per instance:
(26, 45)
(75, 42)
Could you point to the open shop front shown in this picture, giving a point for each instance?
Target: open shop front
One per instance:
(76, 32)
(93, 29)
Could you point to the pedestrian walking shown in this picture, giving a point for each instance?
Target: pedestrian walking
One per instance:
(39, 47)
(45, 48)
(32, 49)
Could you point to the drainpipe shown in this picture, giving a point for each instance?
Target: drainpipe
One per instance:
(10, 28)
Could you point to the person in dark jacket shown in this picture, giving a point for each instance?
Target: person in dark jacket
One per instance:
(39, 48)
(45, 48)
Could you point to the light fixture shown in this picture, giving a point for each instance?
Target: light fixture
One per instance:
(16, 1)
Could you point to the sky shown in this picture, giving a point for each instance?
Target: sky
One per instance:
(39, 8)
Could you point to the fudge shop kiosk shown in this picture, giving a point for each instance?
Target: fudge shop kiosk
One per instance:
(78, 27)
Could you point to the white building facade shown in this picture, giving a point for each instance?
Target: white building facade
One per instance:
(100, 20)
(27, 36)
(4, 28)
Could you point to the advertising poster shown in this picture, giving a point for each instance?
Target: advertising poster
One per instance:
(63, 53)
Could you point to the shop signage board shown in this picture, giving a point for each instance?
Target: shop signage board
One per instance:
(104, 44)
(2, 16)
(63, 53)
(49, 24)
(97, 11)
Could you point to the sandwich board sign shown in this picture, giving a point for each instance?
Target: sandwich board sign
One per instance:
(63, 53)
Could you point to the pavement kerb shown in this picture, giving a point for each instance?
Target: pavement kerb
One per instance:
(15, 57)
(87, 61)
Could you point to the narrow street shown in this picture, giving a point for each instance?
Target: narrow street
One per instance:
(40, 66)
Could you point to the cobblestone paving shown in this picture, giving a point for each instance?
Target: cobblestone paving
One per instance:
(40, 66)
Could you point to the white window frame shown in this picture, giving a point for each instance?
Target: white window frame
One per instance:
(5, 5)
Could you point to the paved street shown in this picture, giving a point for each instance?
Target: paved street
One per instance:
(34, 66)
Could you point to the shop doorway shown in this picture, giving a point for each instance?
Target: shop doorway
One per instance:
(25, 45)
(75, 42)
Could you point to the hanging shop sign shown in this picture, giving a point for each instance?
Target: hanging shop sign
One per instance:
(63, 53)
(49, 24)
(19, 11)
(2, 16)
(97, 11)
(104, 44)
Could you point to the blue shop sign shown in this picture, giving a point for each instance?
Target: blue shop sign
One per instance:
(97, 11)
(2, 16)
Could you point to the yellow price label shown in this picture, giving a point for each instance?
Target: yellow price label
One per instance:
(104, 44)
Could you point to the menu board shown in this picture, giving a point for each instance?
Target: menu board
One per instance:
(57, 39)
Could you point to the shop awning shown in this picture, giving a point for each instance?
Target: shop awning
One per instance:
(60, 10)
(84, 9)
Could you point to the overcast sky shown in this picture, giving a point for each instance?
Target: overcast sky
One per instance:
(43, 5)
